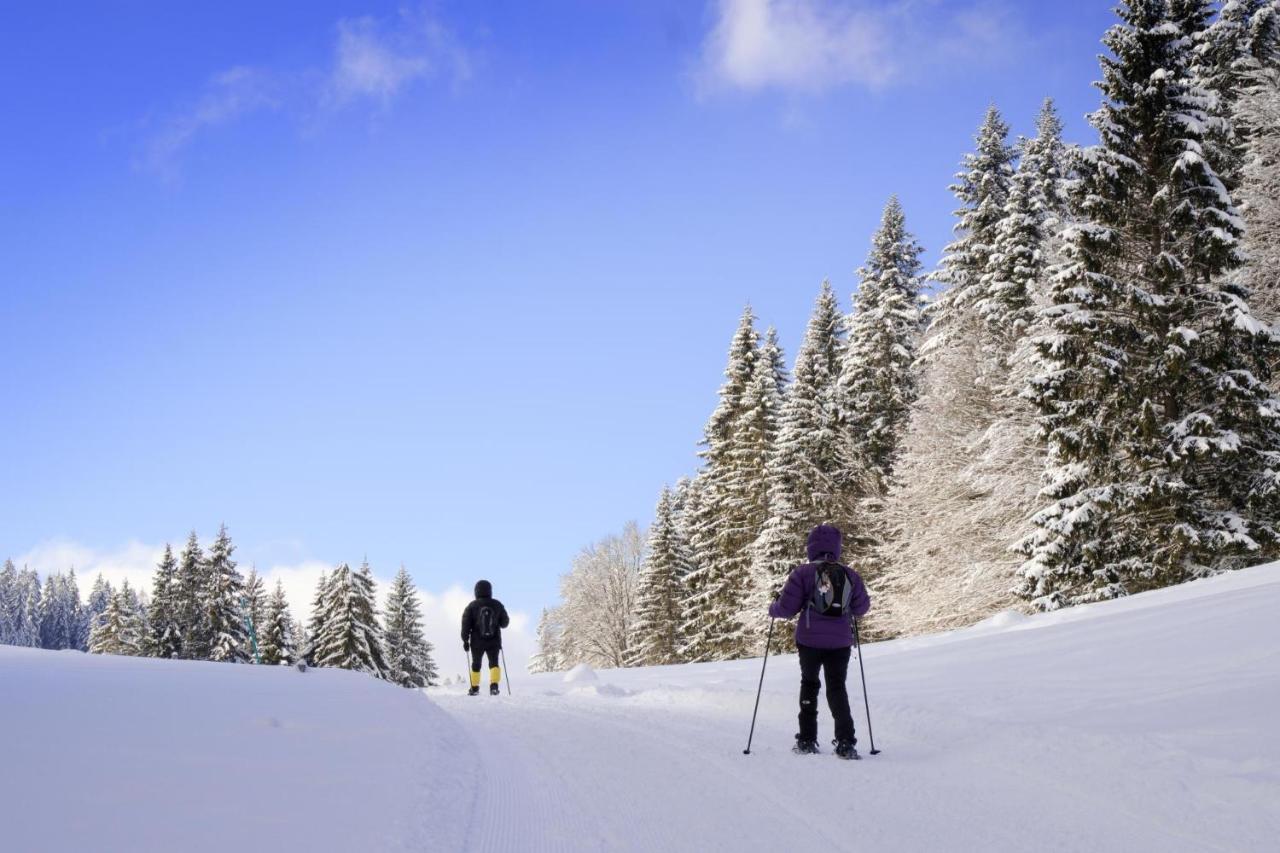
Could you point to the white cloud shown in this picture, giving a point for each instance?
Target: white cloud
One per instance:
(810, 46)
(136, 562)
(371, 60)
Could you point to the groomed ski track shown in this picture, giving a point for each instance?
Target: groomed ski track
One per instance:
(1139, 724)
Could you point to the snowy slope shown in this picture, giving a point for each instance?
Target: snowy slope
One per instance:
(1146, 723)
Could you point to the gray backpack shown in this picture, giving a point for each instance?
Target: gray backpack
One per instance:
(832, 591)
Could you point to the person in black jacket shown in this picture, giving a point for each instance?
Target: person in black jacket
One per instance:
(482, 624)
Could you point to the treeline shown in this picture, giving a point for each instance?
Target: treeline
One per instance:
(1085, 409)
(201, 607)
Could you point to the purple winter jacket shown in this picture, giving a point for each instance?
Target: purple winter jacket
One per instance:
(814, 629)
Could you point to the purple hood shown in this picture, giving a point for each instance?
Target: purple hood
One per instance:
(824, 543)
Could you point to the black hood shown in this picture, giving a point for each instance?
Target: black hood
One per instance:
(484, 589)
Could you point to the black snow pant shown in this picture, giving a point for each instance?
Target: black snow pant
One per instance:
(836, 664)
(478, 653)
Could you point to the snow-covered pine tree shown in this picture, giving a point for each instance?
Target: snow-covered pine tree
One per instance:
(119, 631)
(140, 613)
(60, 617)
(347, 634)
(224, 604)
(656, 632)
(877, 383)
(408, 654)
(9, 609)
(190, 600)
(275, 635)
(970, 469)
(804, 473)
(255, 605)
(27, 630)
(982, 188)
(99, 597)
(1153, 389)
(1239, 60)
(165, 629)
(730, 505)
(549, 657)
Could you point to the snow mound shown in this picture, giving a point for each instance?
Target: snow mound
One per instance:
(1003, 619)
(610, 691)
(580, 674)
(140, 754)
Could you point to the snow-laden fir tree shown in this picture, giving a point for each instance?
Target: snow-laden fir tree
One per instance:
(164, 629)
(315, 626)
(877, 382)
(99, 597)
(139, 609)
(656, 632)
(26, 631)
(224, 604)
(1153, 388)
(969, 474)
(255, 605)
(192, 587)
(347, 633)
(982, 187)
(275, 634)
(61, 617)
(119, 632)
(9, 609)
(804, 474)
(732, 503)
(408, 654)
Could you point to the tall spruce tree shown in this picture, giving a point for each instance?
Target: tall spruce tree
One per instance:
(1153, 391)
(9, 609)
(99, 597)
(971, 461)
(408, 654)
(192, 587)
(255, 606)
(60, 612)
(660, 589)
(733, 459)
(165, 627)
(347, 634)
(877, 383)
(27, 630)
(804, 473)
(275, 636)
(982, 187)
(224, 604)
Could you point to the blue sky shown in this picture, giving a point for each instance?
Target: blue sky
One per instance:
(446, 284)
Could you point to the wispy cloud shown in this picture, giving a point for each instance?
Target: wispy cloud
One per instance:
(136, 563)
(810, 46)
(371, 61)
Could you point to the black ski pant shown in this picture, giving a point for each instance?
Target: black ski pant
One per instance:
(478, 653)
(835, 662)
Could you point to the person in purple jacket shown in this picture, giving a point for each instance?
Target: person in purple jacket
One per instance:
(827, 596)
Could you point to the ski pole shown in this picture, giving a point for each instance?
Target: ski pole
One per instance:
(466, 653)
(865, 702)
(506, 672)
(759, 688)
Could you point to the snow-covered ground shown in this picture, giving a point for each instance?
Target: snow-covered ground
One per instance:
(1146, 723)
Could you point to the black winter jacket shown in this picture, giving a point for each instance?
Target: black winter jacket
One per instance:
(473, 618)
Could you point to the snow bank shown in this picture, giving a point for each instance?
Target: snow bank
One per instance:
(110, 753)
(580, 674)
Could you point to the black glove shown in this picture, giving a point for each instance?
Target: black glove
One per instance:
(466, 645)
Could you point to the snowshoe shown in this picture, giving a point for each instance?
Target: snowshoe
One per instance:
(494, 689)
(474, 691)
(805, 747)
(846, 750)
